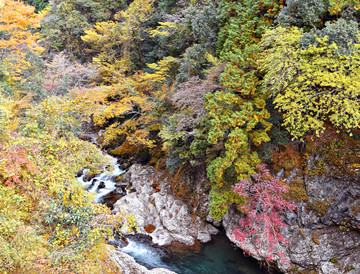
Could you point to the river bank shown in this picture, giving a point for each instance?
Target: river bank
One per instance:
(177, 228)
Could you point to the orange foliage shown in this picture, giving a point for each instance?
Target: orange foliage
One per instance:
(338, 150)
(288, 157)
(336, 6)
(17, 21)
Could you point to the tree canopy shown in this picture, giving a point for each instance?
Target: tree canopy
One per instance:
(314, 85)
(219, 86)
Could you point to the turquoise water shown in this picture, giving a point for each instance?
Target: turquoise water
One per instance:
(217, 257)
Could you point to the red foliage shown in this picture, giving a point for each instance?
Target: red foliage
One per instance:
(16, 162)
(260, 230)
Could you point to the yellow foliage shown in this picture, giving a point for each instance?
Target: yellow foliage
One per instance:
(162, 30)
(161, 70)
(123, 97)
(108, 37)
(17, 21)
(49, 223)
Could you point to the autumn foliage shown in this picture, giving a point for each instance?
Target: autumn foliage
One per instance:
(42, 204)
(260, 230)
(123, 96)
(217, 85)
(238, 116)
(17, 22)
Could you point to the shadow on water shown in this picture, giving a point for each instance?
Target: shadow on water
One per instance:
(217, 257)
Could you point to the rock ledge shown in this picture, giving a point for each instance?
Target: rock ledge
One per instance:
(158, 213)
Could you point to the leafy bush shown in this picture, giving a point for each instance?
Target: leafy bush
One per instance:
(343, 33)
(38, 4)
(49, 222)
(302, 12)
(63, 27)
(261, 226)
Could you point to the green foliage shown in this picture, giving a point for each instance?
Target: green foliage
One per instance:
(203, 23)
(278, 134)
(220, 201)
(63, 27)
(237, 115)
(38, 4)
(302, 12)
(185, 129)
(334, 260)
(312, 86)
(314, 14)
(167, 5)
(192, 63)
(343, 33)
(189, 32)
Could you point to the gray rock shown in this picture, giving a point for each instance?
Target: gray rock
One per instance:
(231, 221)
(328, 242)
(328, 268)
(153, 205)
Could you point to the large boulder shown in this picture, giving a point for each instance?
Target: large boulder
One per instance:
(158, 212)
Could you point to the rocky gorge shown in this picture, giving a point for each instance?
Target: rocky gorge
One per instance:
(323, 233)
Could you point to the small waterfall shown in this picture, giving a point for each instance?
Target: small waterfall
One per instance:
(102, 184)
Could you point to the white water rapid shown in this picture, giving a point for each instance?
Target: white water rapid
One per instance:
(103, 183)
(144, 254)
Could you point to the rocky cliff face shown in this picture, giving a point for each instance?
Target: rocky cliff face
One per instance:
(324, 232)
(158, 213)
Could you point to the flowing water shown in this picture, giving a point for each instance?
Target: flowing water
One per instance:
(217, 257)
(103, 183)
(145, 254)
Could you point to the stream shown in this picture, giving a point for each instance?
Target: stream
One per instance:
(216, 257)
(219, 256)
